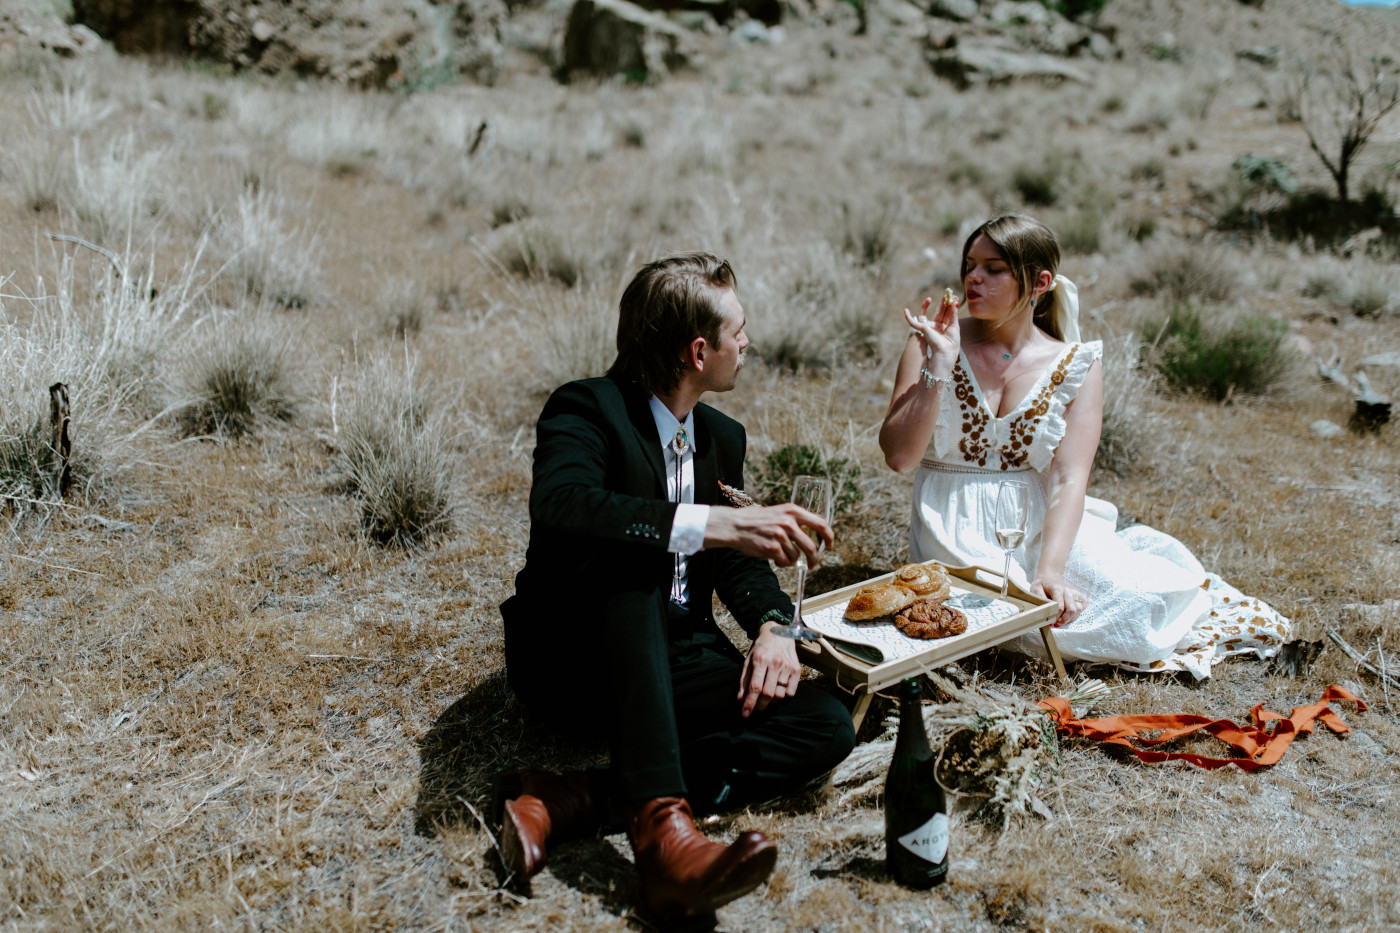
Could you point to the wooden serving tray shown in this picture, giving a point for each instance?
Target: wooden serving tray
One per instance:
(863, 678)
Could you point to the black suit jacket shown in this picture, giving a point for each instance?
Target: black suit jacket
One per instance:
(600, 525)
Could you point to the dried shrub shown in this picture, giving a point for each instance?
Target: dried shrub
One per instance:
(104, 341)
(1361, 286)
(573, 333)
(1184, 272)
(533, 249)
(811, 308)
(1128, 425)
(237, 376)
(393, 455)
(272, 259)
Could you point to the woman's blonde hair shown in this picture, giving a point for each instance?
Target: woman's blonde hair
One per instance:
(1030, 248)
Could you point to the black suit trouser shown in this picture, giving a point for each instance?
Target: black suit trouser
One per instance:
(666, 698)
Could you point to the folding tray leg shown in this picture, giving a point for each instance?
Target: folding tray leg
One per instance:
(858, 711)
(1053, 650)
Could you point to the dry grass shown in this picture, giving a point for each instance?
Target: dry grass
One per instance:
(224, 705)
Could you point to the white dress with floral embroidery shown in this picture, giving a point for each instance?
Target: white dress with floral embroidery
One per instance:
(1151, 605)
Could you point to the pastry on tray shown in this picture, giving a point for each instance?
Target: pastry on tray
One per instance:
(878, 600)
(926, 581)
(930, 618)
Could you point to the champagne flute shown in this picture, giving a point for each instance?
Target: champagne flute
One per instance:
(1013, 503)
(813, 493)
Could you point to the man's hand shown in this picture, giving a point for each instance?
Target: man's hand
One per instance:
(772, 532)
(771, 671)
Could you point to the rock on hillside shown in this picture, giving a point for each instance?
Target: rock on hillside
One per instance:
(366, 43)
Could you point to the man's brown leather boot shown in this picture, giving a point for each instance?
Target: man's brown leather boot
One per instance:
(542, 808)
(682, 871)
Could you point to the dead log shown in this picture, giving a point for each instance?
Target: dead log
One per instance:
(60, 452)
(1385, 676)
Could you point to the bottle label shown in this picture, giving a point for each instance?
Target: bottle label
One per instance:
(930, 841)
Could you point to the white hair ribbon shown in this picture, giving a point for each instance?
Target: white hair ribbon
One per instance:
(1066, 312)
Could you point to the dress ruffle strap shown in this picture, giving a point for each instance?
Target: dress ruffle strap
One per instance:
(1050, 429)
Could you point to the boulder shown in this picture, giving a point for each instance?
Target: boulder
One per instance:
(617, 37)
(966, 65)
(64, 41)
(366, 43)
(1035, 26)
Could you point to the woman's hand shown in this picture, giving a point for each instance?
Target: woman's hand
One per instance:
(939, 333)
(1071, 601)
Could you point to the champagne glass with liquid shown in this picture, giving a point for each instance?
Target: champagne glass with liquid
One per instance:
(813, 493)
(1013, 504)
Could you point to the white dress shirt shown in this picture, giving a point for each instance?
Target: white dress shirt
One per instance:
(688, 527)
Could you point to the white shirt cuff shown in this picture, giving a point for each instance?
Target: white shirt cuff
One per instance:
(688, 528)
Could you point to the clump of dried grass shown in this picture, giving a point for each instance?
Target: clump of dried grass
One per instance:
(41, 168)
(393, 454)
(573, 333)
(810, 306)
(104, 341)
(271, 258)
(1360, 285)
(1187, 271)
(1129, 426)
(237, 375)
(117, 193)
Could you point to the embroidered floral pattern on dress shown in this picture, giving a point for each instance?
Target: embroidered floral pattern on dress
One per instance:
(1023, 427)
(975, 443)
(978, 440)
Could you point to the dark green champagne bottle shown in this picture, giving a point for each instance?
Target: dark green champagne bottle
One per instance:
(916, 811)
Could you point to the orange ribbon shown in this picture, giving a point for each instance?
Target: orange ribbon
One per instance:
(1258, 746)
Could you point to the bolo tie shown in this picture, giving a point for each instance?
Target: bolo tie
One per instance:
(680, 444)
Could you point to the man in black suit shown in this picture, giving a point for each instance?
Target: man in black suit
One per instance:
(611, 628)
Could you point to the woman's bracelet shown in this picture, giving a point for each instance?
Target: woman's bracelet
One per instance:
(930, 381)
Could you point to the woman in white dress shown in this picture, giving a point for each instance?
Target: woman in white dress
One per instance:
(1010, 392)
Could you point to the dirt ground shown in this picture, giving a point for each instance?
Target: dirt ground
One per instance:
(224, 706)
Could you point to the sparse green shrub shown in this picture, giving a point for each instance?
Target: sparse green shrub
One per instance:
(1185, 272)
(777, 471)
(1220, 359)
(1265, 174)
(393, 454)
(238, 375)
(215, 106)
